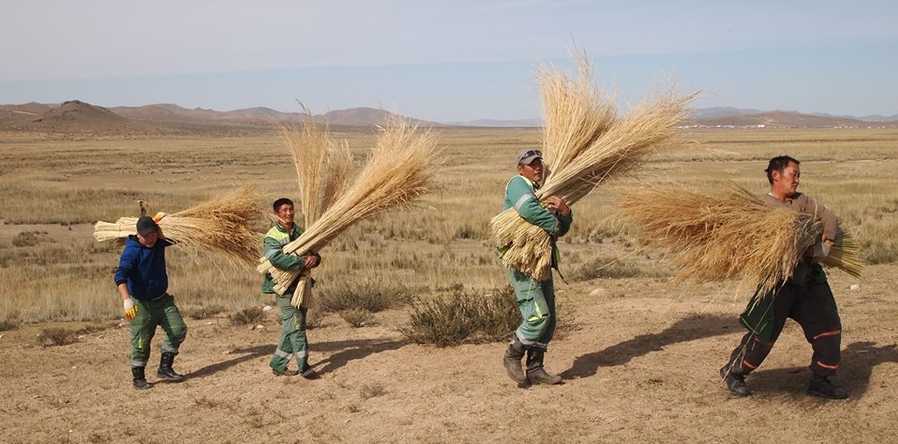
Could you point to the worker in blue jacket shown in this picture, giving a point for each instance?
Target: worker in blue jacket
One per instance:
(142, 283)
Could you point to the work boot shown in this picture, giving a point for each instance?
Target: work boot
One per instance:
(308, 373)
(512, 362)
(140, 380)
(284, 372)
(166, 371)
(822, 387)
(734, 381)
(536, 374)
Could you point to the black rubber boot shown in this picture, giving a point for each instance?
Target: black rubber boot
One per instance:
(166, 371)
(734, 381)
(536, 374)
(512, 362)
(140, 380)
(308, 373)
(822, 387)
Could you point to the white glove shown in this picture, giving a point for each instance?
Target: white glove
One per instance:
(130, 309)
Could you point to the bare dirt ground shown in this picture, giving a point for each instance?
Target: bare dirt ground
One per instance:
(642, 366)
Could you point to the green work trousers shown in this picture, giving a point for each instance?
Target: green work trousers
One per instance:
(292, 341)
(157, 312)
(536, 301)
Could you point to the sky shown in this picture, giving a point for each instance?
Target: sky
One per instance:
(448, 60)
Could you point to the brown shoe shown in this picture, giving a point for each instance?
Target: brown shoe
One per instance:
(536, 373)
(512, 362)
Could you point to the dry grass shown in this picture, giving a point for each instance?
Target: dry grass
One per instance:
(848, 170)
(247, 316)
(397, 172)
(463, 315)
(585, 145)
(358, 317)
(714, 236)
(222, 225)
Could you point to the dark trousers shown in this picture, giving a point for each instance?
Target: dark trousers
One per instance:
(808, 300)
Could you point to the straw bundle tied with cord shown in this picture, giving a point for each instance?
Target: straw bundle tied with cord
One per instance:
(584, 144)
(398, 171)
(731, 234)
(222, 225)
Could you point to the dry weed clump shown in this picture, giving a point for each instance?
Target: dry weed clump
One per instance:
(584, 144)
(203, 311)
(460, 316)
(721, 235)
(607, 267)
(247, 316)
(372, 296)
(357, 317)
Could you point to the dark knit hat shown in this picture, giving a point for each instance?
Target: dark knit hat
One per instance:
(146, 225)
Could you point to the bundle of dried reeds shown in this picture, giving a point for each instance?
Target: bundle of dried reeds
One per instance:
(222, 225)
(584, 144)
(397, 172)
(322, 169)
(733, 234)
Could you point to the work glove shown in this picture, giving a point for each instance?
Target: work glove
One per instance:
(130, 309)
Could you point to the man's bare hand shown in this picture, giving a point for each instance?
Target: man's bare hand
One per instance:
(312, 261)
(557, 205)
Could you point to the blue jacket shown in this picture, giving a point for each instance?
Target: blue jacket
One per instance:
(143, 269)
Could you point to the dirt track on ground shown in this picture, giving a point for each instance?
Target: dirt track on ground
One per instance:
(641, 366)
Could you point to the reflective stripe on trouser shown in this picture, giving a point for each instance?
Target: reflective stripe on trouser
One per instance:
(536, 301)
(811, 305)
(158, 312)
(292, 341)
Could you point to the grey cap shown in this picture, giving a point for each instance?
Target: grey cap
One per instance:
(527, 156)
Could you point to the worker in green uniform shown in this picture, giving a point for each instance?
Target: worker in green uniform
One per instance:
(292, 341)
(535, 299)
(806, 297)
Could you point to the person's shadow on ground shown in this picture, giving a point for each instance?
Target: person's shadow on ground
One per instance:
(696, 326)
(858, 361)
(346, 351)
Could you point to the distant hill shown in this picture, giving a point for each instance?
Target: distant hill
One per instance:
(76, 116)
(785, 119)
(496, 123)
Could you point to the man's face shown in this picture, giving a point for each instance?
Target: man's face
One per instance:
(149, 239)
(787, 180)
(285, 214)
(532, 171)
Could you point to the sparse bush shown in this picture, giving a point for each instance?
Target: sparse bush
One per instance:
(52, 337)
(462, 315)
(9, 324)
(357, 317)
(247, 316)
(880, 253)
(204, 311)
(29, 238)
(373, 390)
(601, 267)
(369, 296)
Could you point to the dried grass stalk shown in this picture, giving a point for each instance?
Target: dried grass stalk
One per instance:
(322, 169)
(845, 255)
(584, 145)
(222, 225)
(397, 172)
(716, 236)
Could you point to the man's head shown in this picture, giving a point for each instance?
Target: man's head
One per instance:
(530, 165)
(147, 231)
(284, 211)
(783, 173)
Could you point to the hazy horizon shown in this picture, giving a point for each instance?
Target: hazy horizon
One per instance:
(447, 62)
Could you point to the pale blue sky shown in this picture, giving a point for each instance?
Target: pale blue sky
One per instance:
(446, 60)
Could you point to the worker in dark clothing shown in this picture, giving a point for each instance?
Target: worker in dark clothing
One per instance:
(805, 297)
(142, 283)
